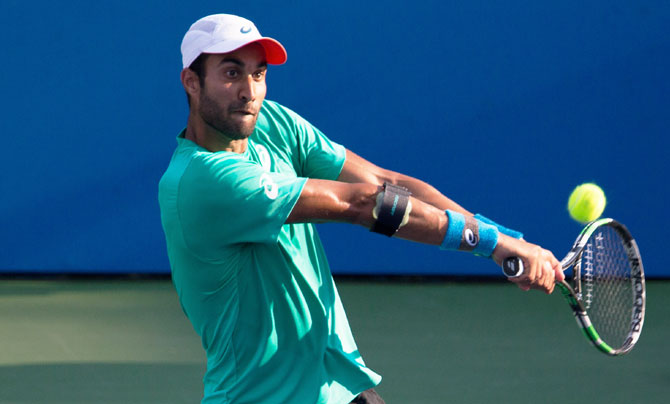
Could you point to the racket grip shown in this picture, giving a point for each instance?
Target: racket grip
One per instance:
(512, 267)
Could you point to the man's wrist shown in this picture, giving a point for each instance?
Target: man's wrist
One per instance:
(466, 233)
(504, 230)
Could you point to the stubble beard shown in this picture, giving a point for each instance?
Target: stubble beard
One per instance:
(216, 116)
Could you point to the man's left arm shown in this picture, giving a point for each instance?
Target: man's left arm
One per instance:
(357, 169)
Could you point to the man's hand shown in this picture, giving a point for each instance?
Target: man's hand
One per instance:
(542, 268)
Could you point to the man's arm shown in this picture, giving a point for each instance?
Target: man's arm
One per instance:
(356, 169)
(335, 201)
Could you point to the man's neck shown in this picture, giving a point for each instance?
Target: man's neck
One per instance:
(205, 136)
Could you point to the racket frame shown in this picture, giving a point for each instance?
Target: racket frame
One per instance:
(572, 289)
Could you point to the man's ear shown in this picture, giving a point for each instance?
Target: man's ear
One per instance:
(191, 82)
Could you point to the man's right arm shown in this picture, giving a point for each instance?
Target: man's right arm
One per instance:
(334, 201)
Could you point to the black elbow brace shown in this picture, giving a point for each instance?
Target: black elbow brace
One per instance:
(394, 204)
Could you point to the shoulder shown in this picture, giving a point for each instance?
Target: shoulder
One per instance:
(219, 167)
(194, 169)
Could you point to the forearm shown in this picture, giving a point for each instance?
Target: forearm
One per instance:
(427, 224)
(359, 170)
(333, 201)
(427, 193)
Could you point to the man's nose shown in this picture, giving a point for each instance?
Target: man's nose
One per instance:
(248, 89)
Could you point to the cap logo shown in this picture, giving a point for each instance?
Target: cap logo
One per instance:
(245, 29)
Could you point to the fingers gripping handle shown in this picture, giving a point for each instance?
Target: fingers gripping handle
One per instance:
(512, 267)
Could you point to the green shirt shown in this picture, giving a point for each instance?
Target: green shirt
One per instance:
(259, 292)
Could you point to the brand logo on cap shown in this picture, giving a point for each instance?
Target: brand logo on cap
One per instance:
(245, 30)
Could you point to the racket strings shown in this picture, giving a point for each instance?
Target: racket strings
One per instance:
(607, 287)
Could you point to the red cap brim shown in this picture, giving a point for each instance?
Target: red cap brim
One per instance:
(275, 53)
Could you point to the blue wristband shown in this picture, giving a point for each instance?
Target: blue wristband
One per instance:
(502, 229)
(488, 239)
(454, 234)
(469, 234)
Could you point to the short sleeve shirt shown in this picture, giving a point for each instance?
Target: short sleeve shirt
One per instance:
(259, 292)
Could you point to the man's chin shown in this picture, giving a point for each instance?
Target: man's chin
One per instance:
(245, 132)
(237, 132)
(245, 128)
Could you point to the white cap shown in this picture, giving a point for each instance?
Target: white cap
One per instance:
(223, 33)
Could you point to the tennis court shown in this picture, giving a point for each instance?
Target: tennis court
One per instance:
(505, 107)
(126, 340)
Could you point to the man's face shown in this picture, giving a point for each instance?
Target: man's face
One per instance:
(233, 91)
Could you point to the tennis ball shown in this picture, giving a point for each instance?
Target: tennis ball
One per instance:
(586, 203)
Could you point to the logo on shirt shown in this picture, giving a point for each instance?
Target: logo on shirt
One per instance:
(263, 157)
(270, 187)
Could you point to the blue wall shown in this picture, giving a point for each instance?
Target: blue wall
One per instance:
(504, 106)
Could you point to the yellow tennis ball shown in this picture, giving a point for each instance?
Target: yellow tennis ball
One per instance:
(587, 202)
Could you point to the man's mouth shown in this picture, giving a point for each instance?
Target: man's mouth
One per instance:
(244, 111)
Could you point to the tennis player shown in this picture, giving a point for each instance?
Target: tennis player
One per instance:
(248, 179)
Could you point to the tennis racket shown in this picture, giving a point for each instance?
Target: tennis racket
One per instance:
(606, 291)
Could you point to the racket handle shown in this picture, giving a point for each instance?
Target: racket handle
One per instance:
(512, 267)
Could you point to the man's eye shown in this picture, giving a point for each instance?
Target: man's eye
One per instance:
(259, 75)
(232, 73)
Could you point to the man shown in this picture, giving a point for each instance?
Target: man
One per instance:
(245, 184)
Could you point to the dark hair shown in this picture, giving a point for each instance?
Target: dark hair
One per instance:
(198, 67)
